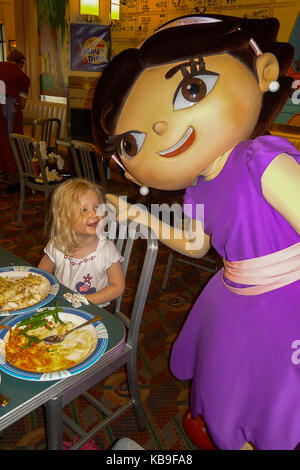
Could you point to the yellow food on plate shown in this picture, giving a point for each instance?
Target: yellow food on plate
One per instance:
(22, 291)
(29, 352)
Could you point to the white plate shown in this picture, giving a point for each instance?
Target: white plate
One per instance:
(68, 314)
(51, 288)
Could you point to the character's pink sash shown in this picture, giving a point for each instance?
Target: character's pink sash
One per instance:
(265, 273)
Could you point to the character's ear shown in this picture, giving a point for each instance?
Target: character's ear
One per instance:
(267, 68)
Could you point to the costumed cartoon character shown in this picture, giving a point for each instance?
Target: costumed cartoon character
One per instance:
(196, 100)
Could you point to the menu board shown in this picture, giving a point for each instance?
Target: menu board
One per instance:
(140, 18)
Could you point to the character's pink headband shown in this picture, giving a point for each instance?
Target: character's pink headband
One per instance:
(187, 20)
(273, 86)
(202, 20)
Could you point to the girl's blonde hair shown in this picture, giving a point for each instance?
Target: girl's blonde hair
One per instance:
(65, 212)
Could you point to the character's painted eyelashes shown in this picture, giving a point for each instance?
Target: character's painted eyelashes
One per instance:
(128, 144)
(196, 84)
(192, 89)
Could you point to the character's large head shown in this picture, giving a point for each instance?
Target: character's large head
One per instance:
(192, 91)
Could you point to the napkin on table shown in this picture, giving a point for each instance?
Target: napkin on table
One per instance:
(76, 299)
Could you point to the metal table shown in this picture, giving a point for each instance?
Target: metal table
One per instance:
(25, 396)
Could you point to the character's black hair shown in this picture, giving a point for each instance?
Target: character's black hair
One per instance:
(173, 44)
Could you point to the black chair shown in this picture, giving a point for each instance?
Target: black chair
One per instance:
(50, 132)
(87, 163)
(25, 149)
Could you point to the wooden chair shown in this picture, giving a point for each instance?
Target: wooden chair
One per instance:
(128, 356)
(24, 149)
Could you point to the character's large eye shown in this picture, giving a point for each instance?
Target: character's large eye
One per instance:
(193, 89)
(131, 144)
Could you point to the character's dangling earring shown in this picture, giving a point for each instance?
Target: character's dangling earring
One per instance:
(274, 86)
(144, 191)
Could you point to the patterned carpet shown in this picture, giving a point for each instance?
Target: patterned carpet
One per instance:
(165, 399)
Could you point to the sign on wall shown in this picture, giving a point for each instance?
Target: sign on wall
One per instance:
(90, 47)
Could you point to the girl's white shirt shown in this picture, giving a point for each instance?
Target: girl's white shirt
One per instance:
(88, 274)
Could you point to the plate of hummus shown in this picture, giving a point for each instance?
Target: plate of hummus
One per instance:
(24, 289)
(24, 354)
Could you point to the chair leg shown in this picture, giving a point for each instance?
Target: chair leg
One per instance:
(21, 204)
(167, 271)
(135, 394)
(54, 423)
(47, 207)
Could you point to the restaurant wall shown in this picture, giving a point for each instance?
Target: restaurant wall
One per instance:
(138, 19)
(7, 18)
(27, 41)
(49, 57)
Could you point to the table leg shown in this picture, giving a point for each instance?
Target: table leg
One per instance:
(54, 423)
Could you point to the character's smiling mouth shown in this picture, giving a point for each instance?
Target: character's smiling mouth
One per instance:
(181, 146)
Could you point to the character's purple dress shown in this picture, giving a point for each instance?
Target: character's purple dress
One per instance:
(240, 350)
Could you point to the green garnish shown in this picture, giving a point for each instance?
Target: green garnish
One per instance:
(31, 339)
(34, 326)
(37, 320)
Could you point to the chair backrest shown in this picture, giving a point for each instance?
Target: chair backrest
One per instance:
(129, 234)
(51, 132)
(28, 157)
(38, 110)
(87, 163)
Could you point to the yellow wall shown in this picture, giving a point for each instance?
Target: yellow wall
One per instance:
(104, 17)
(7, 16)
(138, 19)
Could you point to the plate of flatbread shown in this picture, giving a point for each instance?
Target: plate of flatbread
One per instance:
(24, 289)
(24, 354)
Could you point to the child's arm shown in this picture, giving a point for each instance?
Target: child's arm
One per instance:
(115, 288)
(46, 264)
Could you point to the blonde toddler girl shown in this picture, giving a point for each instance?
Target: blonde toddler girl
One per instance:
(87, 264)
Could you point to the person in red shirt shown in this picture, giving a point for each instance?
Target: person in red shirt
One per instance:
(16, 84)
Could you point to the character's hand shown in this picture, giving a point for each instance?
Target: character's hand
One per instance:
(121, 206)
(127, 211)
(194, 244)
(113, 199)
